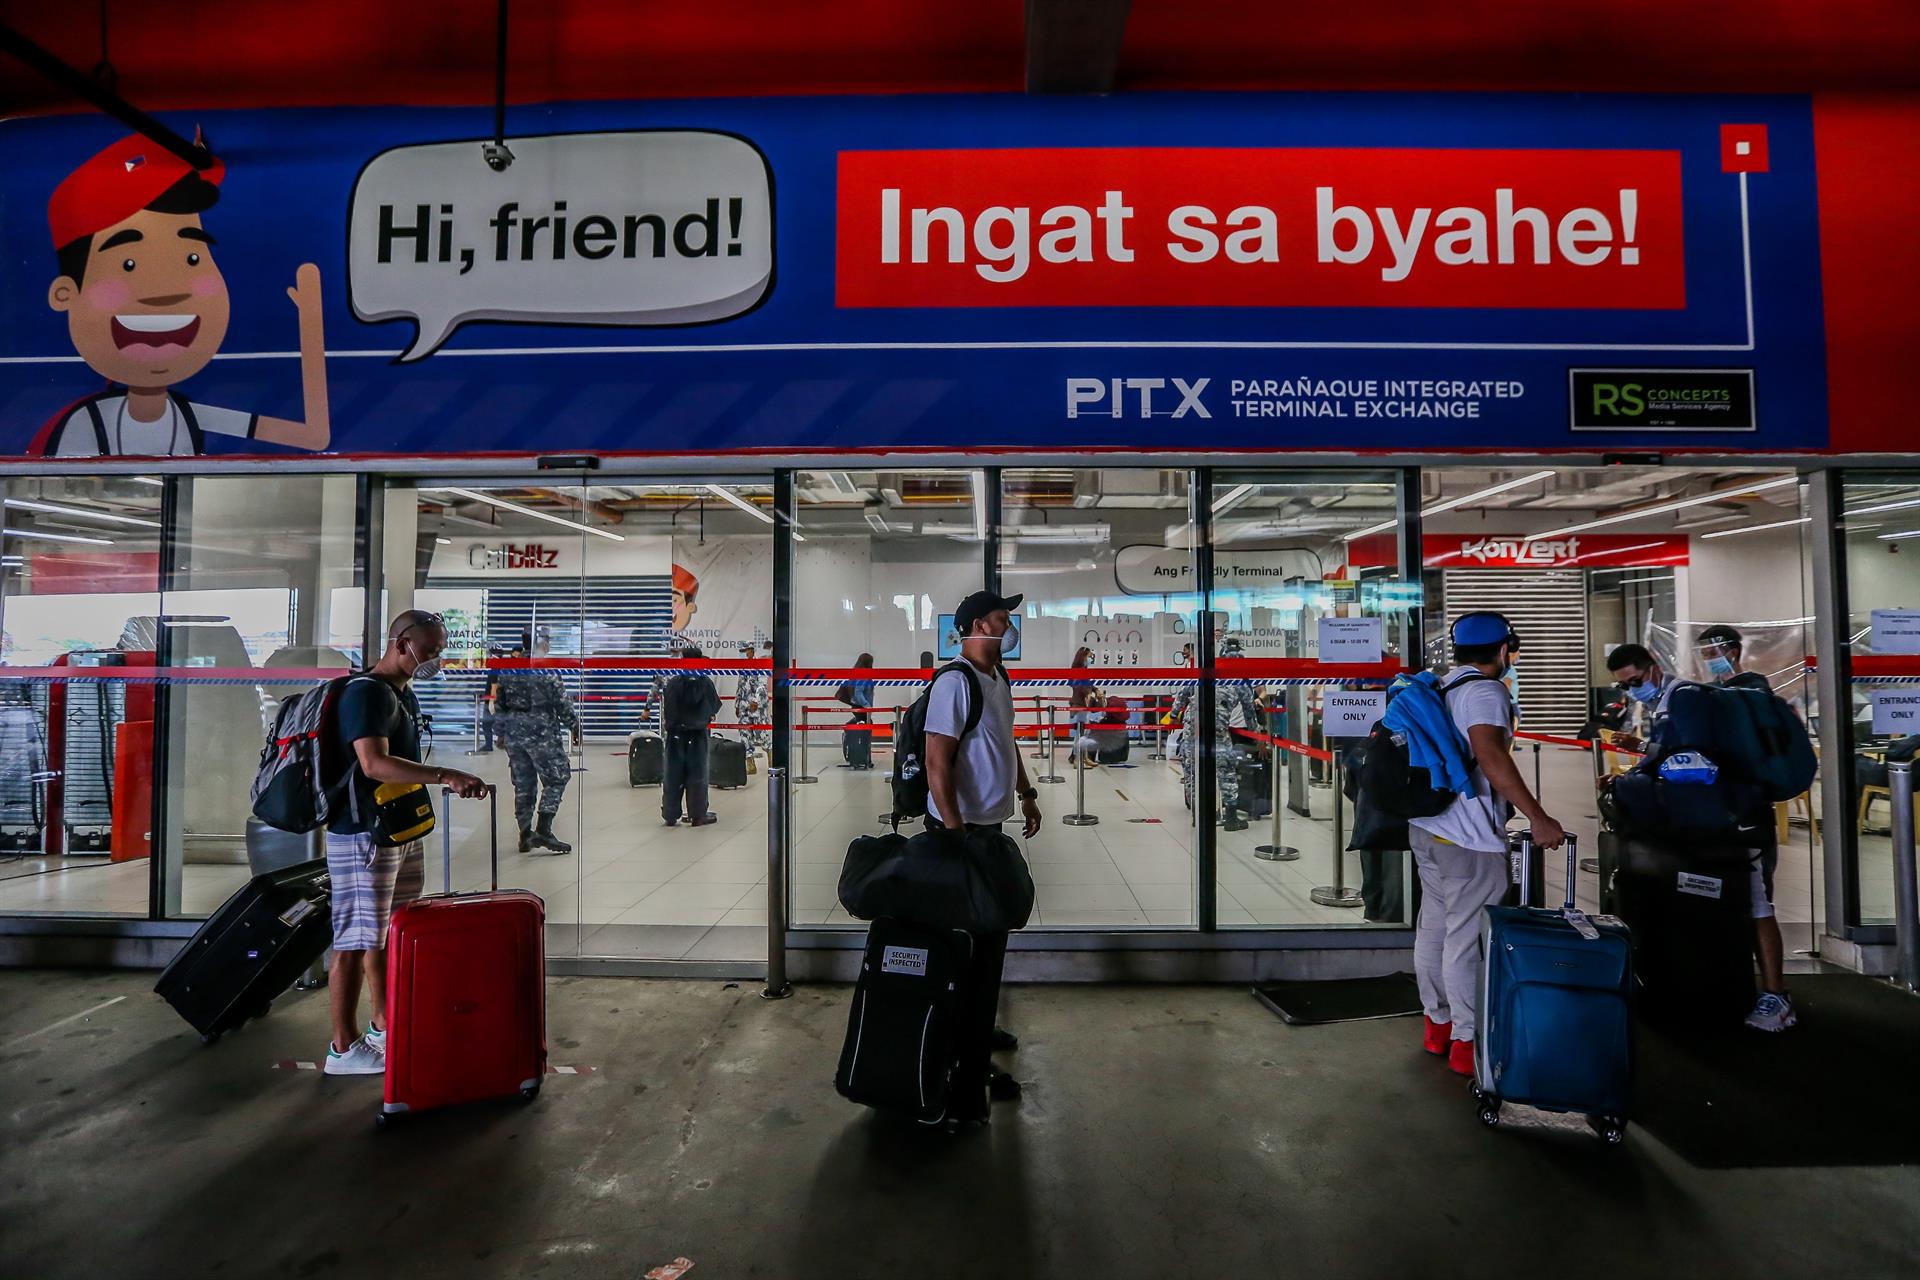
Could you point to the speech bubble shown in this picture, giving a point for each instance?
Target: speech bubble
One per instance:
(640, 227)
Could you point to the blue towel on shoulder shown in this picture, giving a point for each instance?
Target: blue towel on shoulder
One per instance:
(1417, 708)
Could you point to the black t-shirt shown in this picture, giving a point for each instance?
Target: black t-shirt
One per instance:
(371, 708)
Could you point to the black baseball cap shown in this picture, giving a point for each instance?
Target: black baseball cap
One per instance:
(979, 605)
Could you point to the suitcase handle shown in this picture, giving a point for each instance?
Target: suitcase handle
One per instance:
(446, 838)
(1526, 867)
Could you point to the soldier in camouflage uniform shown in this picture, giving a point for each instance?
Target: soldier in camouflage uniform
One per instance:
(537, 719)
(1227, 754)
(750, 706)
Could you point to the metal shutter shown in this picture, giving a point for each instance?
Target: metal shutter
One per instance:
(1549, 609)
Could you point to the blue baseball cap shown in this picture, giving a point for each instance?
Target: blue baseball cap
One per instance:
(1472, 629)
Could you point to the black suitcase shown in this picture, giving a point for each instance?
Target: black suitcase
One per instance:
(856, 744)
(726, 763)
(899, 1049)
(646, 760)
(271, 849)
(1691, 916)
(250, 950)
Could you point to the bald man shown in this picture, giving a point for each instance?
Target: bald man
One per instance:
(378, 721)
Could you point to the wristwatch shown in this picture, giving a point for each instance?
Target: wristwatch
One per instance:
(1030, 793)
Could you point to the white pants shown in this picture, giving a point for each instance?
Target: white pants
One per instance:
(1456, 883)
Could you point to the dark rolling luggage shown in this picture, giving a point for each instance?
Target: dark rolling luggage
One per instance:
(646, 760)
(898, 1054)
(250, 950)
(856, 744)
(271, 849)
(1692, 921)
(726, 763)
(1556, 1013)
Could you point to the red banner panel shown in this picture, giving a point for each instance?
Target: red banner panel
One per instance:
(1260, 227)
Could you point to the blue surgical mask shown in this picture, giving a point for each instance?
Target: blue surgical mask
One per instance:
(1719, 668)
(1645, 691)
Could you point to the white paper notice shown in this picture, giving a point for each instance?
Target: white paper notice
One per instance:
(1896, 711)
(1350, 639)
(1896, 630)
(1349, 714)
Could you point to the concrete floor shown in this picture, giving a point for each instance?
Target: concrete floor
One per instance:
(1166, 1132)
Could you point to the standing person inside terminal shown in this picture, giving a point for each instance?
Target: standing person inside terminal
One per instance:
(1721, 650)
(538, 722)
(1645, 681)
(1461, 853)
(378, 722)
(750, 707)
(1231, 697)
(972, 781)
(688, 705)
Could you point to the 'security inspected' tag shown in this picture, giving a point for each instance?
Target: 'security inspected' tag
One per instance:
(908, 960)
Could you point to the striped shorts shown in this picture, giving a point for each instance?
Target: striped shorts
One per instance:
(368, 882)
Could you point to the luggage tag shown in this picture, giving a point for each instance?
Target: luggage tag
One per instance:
(1581, 924)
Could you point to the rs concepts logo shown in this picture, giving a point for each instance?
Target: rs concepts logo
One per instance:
(1137, 397)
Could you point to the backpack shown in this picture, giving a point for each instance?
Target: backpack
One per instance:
(290, 789)
(685, 709)
(1393, 784)
(1750, 733)
(909, 776)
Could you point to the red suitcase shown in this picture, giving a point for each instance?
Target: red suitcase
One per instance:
(466, 992)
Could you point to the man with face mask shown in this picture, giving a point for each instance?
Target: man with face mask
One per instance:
(378, 721)
(973, 780)
(537, 721)
(1645, 681)
(1721, 648)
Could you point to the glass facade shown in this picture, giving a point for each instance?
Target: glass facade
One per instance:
(1198, 649)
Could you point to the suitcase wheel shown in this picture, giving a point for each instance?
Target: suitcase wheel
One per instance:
(529, 1093)
(381, 1119)
(208, 1037)
(1490, 1112)
(1610, 1131)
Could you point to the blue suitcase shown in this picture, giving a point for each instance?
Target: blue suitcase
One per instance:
(1556, 1012)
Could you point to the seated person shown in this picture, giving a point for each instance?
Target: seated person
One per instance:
(1105, 742)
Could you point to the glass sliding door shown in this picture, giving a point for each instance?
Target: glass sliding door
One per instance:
(1310, 618)
(880, 559)
(1105, 559)
(79, 590)
(569, 608)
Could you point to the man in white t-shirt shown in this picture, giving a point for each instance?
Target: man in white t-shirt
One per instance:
(973, 778)
(1461, 853)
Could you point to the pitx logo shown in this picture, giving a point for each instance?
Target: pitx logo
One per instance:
(1136, 397)
(1521, 551)
(508, 556)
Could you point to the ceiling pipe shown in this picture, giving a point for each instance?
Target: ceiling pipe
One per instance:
(88, 90)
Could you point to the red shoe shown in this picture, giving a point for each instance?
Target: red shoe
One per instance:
(1439, 1034)
(1460, 1057)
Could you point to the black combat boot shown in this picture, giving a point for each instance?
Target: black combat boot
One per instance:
(544, 838)
(526, 834)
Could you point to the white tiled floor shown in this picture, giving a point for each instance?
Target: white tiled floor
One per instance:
(657, 892)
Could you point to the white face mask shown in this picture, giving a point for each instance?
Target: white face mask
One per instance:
(428, 670)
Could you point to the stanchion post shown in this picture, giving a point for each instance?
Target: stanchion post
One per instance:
(478, 702)
(1053, 734)
(1080, 817)
(777, 987)
(1041, 752)
(1337, 894)
(1159, 732)
(1276, 849)
(1906, 891)
(804, 775)
(1536, 771)
(1591, 866)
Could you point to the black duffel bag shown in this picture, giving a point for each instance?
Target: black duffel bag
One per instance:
(978, 882)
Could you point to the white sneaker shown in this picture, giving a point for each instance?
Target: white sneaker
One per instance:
(1772, 1013)
(376, 1040)
(360, 1059)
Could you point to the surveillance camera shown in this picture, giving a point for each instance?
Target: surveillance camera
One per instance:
(497, 155)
